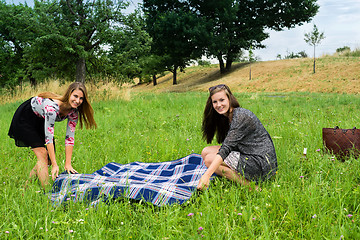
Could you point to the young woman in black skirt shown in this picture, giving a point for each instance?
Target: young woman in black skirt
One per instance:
(246, 153)
(33, 126)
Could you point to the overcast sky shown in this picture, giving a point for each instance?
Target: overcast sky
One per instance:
(338, 19)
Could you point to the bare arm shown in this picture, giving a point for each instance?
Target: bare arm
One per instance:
(68, 155)
(205, 179)
(55, 168)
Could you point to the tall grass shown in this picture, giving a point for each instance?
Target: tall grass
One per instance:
(99, 90)
(310, 198)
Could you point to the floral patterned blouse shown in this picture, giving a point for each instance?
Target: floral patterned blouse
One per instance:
(50, 111)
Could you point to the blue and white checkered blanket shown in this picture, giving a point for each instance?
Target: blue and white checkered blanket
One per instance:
(161, 183)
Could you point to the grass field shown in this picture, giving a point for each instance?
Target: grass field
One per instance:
(333, 75)
(317, 197)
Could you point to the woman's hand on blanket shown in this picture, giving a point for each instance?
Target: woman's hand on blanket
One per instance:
(70, 169)
(203, 183)
(54, 172)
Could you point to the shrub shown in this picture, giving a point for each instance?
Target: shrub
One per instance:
(291, 55)
(203, 62)
(343, 49)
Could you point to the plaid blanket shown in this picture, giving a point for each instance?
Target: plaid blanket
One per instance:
(161, 183)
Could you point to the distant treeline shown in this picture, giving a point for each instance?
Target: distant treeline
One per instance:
(92, 39)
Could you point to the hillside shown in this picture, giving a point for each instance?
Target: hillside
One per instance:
(333, 75)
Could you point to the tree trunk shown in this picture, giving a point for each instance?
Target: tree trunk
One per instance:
(154, 80)
(250, 71)
(229, 62)
(314, 58)
(20, 81)
(174, 75)
(80, 70)
(33, 82)
(221, 63)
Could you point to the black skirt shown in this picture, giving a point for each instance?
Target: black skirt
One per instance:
(27, 129)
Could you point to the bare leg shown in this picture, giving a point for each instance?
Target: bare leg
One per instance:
(210, 150)
(32, 173)
(41, 167)
(209, 153)
(232, 175)
(32, 176)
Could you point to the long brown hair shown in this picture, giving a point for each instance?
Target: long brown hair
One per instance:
(213, 122)
(86, 112)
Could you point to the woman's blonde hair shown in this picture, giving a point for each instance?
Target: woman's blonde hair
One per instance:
(86, 112)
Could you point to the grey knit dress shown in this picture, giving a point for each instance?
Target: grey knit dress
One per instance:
(257, 159)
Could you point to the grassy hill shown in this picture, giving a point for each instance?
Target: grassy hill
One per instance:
(333, 75)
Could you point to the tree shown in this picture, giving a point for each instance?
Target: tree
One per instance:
(235, 25)
(151, 66)
(174, 31)
(18, 28)
(222, 29)
(70, 38)
(84, 26)
(130, 48)
(313, 39)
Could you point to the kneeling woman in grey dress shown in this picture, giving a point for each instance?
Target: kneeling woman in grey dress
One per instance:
(247, 152)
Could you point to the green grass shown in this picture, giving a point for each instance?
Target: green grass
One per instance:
(163, 127)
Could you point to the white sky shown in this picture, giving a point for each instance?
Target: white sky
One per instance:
(338, 19)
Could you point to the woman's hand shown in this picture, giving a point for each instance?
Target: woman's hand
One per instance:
(54, 172)
(203, 183)
(205, 179)
(69, 169)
